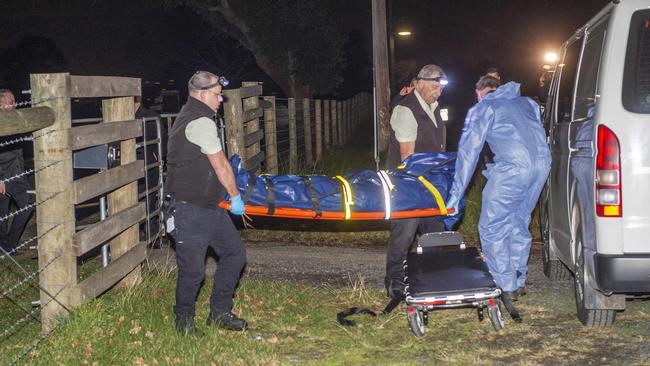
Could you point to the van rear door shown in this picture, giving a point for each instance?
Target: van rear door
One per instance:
(633, 130)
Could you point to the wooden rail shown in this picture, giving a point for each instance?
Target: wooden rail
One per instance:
(59, 246)
(25, 120)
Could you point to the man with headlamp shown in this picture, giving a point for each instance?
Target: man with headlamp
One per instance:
(416, 127)
(198, 176)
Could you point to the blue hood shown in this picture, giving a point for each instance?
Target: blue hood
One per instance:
(509, 90)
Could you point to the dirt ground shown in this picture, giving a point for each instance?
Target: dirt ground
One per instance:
(329, 266)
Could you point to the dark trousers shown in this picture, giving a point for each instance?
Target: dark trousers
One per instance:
(198, 228)
(400, 240)
(10, 232)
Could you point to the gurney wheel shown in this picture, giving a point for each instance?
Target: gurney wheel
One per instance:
(416, 323)
(494, 313)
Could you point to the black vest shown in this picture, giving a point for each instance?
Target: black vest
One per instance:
(429, 137)
(190, 176)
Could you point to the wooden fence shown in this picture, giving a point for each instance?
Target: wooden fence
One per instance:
(314, 126)
(57, 192)
(311, 127)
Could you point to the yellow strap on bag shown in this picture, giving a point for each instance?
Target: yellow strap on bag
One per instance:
(435, 193)
(347, 196)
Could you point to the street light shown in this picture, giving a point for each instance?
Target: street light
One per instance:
(404, 33)
(550, 57)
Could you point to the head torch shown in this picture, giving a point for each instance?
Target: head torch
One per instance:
(221, 80)
(440, 79)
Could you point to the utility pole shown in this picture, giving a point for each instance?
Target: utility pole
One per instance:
(381, 73)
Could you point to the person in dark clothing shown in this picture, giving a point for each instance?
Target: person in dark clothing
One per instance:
(12, 189)
(416, 126)
(198, 176)
(406, 90)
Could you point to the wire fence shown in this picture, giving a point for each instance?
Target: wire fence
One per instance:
(283, 140)
(20, 289)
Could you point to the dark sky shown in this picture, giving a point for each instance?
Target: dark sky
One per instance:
(119, 37)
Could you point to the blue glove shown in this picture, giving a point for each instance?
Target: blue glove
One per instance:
(237, 205)
(452, 202)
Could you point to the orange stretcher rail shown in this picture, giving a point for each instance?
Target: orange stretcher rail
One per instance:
(297, 213)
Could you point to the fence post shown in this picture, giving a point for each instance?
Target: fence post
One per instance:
(306, 120)
(326, 124)
(293, 138)
(56, 260)
(270, 137)
(335, 139)
(319, 130)
(252, 125)
(344, 121)
(348, 117)
(113, 110)
(234, 115)
(355, 108)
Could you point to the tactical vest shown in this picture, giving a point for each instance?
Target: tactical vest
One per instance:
(190, 176)
(429, 137)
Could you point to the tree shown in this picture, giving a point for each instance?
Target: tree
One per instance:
(297, 43)
(31, 55)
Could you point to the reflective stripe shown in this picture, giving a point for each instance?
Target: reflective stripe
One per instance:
(347, 197)
(436, 195)
(388, 186)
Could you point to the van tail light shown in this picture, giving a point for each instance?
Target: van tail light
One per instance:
(609, 200)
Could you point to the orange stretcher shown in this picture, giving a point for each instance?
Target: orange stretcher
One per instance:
(297, 213)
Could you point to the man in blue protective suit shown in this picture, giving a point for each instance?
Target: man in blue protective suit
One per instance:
(512, 127)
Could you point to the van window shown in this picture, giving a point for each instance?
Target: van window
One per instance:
(588, 77)
(636, 78)
(567, 80)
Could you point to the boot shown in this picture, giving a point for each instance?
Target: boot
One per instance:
(185, 326)
(227, 320)
(511, 295)
(522, 291)
(396, 289)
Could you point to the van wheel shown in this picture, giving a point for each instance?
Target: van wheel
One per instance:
(553, 268)
(589, 317)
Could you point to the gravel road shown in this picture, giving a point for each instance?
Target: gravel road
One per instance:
(327, 266)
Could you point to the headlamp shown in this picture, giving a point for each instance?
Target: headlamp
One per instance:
(220, 81)
(440, 79)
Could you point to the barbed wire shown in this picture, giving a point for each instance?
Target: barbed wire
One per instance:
(9, 330)
(25, 138)
(31, 102)
(30, 314)
(43, 336)
(30, 171)
(23, 209)
(28, 277)
(16, 140)
(23, 244)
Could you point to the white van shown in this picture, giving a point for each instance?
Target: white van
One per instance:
(595, 209)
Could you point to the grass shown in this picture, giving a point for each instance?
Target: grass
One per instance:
(295, 324)
(20, 326)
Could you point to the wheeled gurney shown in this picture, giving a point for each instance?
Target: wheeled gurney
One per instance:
(441, 273)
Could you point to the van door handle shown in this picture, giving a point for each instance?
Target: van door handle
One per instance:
(573, 149)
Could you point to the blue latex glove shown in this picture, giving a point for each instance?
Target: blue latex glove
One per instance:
(237, 205)
(452, 202)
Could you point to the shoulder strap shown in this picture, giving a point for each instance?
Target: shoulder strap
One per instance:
(252, 182)
(270, 195)
(315, 204)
